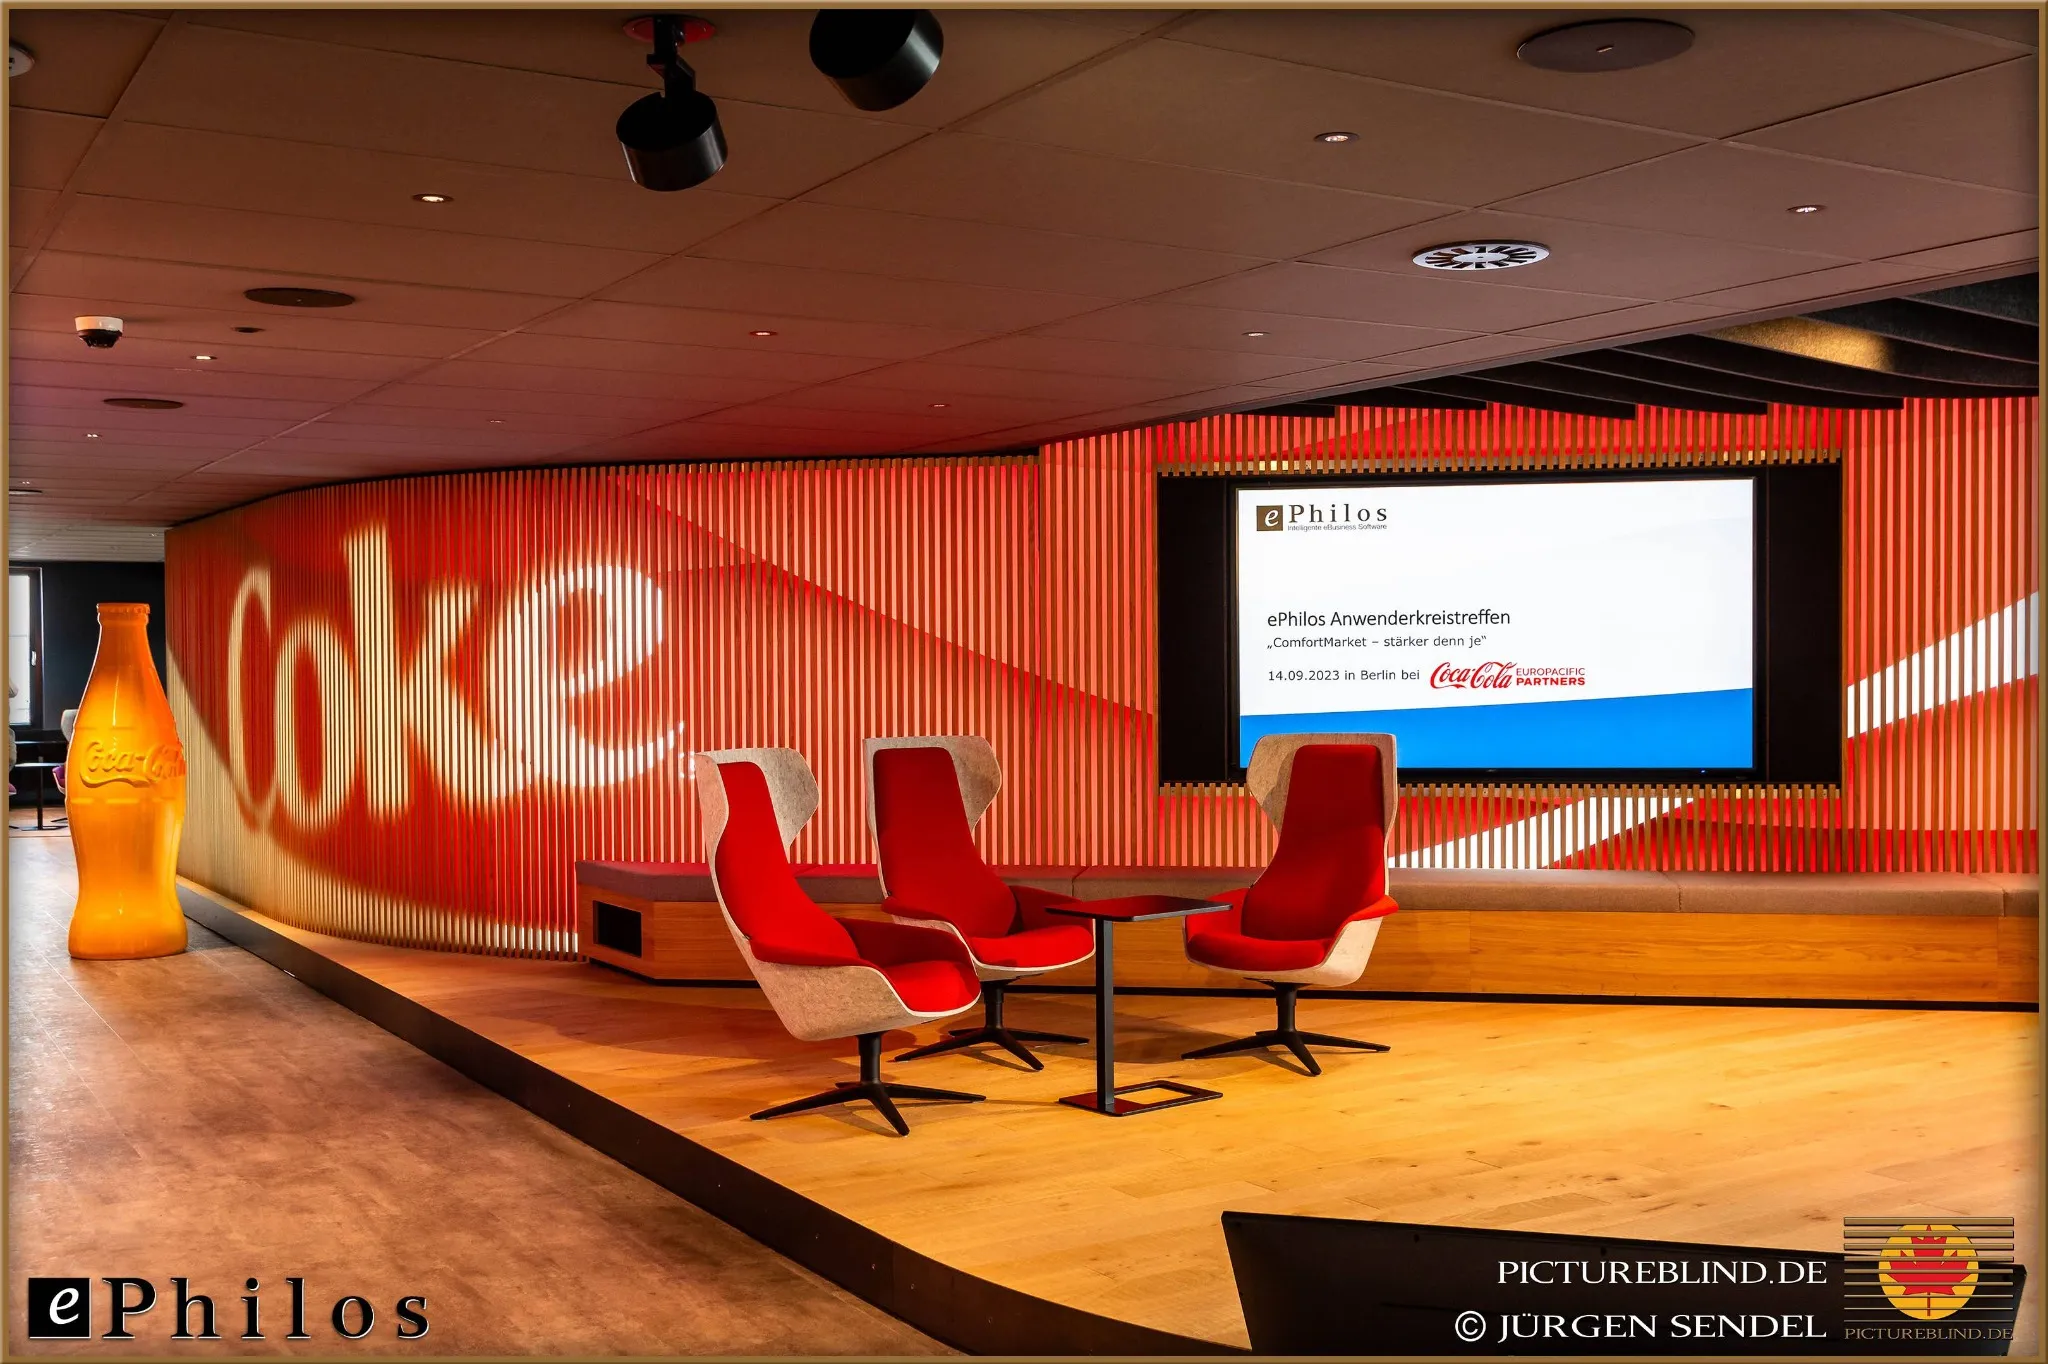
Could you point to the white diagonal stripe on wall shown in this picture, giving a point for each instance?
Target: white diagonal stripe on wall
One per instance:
(2001, 648)
(1546, 839)
(1995, 651)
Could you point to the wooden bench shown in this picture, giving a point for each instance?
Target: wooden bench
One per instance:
(1962, 937)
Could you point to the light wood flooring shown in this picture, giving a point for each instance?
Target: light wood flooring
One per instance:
(1756, 1126)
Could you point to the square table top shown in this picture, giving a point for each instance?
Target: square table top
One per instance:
(1132, 908)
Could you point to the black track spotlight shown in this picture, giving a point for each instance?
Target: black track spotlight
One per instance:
(877, 57)
(672, 140)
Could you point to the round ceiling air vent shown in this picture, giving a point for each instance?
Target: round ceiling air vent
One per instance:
(279, 297)
(1597, 45)
(1481, 255)
(146, 404)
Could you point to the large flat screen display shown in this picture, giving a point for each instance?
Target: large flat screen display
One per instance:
(1559, 626)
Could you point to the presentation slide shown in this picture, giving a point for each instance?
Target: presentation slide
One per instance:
(1533, 625)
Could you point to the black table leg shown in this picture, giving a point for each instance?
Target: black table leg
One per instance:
(1105, 1017)
(1107, 1098)
(40, 790)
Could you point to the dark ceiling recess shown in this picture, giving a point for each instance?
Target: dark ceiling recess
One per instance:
(1971, 341)
(146, 404)
(1606, 45)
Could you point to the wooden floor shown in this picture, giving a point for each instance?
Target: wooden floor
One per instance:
(1739, 1125)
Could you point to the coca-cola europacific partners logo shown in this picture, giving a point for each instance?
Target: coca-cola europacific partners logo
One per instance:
(101, 761)
(1496, 675)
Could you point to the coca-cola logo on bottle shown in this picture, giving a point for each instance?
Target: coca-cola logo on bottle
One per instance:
(105, 760)
(1498, 675)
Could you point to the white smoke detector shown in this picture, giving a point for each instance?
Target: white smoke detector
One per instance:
(1481, 255)
(19, 59)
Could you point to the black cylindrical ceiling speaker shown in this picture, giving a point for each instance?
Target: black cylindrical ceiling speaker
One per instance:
(672, 141)
(877, 57)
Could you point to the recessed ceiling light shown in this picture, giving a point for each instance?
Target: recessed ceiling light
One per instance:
(92, 435)
(1480, 255)
(204, 357)
(248, 331)
(761, 333)
(942, 404)
(1807, 208)
(24, 492)
(1336, 137)
(431, 198)
(286, 296)
(497, 421)
(145, 404)
(1254, 333)
(1598, 45)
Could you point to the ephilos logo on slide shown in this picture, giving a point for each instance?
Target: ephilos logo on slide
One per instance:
(1319, 516)
(1496, 675)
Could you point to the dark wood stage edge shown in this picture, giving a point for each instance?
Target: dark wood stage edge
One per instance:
(962, 1310)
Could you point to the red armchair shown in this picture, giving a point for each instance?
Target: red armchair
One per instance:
(824, 977)
(925, 795)
(1312, 916)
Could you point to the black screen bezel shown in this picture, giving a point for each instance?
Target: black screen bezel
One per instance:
(1796, 621)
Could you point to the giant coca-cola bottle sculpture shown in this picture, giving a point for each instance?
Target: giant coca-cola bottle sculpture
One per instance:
(125, 793)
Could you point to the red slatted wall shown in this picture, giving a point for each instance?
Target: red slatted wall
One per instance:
(513, 675)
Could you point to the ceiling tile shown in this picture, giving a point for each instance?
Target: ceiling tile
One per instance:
(374, 417)
(87, 280)
(351, 185)
(1980, 127)
(1744, 194)
(1218, 328)
(1588, 257)
(756, 55)
(340, 251)
(1745, 68)
(234, 82)
(742, 286)
(2019, 26)
(84, 58)
(1817, 287)
(1185, 105)
(944, 381)
(28, 210)
(155, 354)
(285, 332)
(1631, 322)
(189, 382)
(1419, 298)
(976, 179)
(866, 241)
(1194, 368)
(913, 397)
(530, 359)
(1470, 351)
(511, 400)
(2019, 250)
(43, 149)
(632, 322)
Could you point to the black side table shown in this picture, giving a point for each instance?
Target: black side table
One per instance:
(1106, 1098)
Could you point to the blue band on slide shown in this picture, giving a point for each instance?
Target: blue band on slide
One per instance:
(1685, 729)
